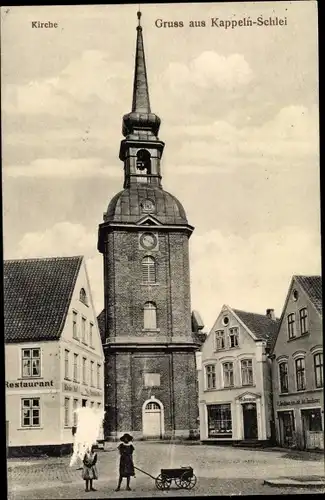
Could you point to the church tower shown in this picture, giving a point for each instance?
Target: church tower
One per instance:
(150, 371)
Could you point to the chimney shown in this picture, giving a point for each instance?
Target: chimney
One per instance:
(270, 313)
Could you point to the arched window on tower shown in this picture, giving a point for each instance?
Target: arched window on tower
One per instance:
(148, 270)
(83, 297)
(150, 316)
(143, 165)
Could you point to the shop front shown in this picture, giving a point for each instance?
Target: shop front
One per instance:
(300, 422)
(219, 421)
(243, 419)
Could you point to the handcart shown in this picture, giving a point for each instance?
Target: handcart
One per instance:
(183, 477)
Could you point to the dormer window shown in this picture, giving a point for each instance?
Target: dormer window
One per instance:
(83, 297)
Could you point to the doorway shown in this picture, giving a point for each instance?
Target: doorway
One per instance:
(152, 420)
(287, 428)
(312, 431)
(250, 421)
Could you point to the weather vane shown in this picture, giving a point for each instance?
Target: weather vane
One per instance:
(139, 15)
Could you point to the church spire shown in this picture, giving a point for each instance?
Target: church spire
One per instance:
(140, 119)
(141, 102)
(141, 150)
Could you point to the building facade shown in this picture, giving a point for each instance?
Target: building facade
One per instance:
(150, 370)
(54, 359)
(234, 373)
(297, 367)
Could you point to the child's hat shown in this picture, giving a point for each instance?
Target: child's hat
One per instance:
(126, 438)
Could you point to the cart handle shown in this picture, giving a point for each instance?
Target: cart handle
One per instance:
(144, 472)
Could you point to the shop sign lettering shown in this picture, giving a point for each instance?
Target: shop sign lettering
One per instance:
(298, 402)
(24, 384)
(90, 392)
(70, 387)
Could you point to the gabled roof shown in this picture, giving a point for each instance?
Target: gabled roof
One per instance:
(263, 327)
(37, 295)
(312, 285)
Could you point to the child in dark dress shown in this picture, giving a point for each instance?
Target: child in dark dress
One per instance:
(126, 469)
(89, 472)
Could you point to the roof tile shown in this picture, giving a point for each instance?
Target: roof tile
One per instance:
(37, 295)
(263, 327)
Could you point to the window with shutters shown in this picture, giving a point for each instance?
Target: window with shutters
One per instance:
(148, 270)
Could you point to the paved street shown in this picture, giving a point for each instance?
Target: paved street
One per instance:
(220, 471)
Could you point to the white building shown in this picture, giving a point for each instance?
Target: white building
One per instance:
(235, 399)
(53, 352)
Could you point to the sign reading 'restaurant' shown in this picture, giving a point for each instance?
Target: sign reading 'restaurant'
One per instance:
(31, 383)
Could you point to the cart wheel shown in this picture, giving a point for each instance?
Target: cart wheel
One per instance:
(163, 483)
(186, 481)
(178, 482)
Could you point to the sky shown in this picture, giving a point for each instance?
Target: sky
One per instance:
(239, 111)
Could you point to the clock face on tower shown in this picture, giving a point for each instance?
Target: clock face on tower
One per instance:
(148, 241)
(147, 205)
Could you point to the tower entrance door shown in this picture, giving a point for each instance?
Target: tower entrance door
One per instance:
(152, 420)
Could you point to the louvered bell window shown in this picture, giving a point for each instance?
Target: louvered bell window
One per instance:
(148, 270)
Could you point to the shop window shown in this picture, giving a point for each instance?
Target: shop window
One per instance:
(233, 337)
(291, 320)
(247, 372)
(150, 316)
(303, 320)
(283, 375)
(148, 270)
(30, 412)
(219, 421)
(318, 368)
(228, 374)
(210, 375)
(220, 340)
(31, 363)
(151, 379)
(314, 420)
(300, 374)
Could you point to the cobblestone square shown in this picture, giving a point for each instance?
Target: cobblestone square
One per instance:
(219, 471)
